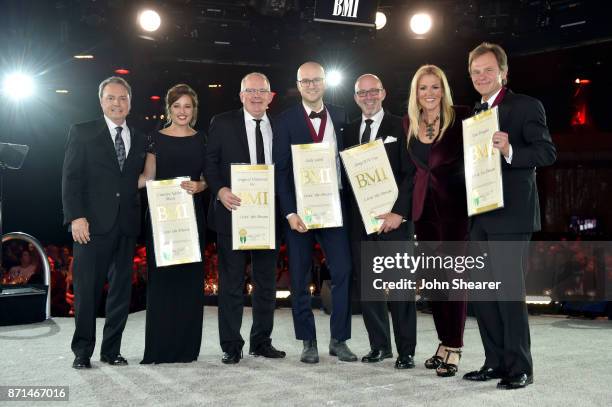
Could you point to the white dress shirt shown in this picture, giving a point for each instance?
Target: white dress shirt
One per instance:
(490, 103)
(266, 132)
(125, 133)
(376, 120)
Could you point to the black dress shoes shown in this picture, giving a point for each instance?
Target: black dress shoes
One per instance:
(376, 355)
(114, 360)
(341, 350)
(515, 382)
(404, 362)
(268, 351)
(231, 358)
(81, 362)
(482, 375)
(310, 353)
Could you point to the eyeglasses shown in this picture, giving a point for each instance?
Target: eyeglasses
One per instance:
(308, 82)
(369, 92)
(252, 91)
(486, 71)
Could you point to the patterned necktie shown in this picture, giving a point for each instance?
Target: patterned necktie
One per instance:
(259, 143)
(365, 137)
(480, 107)
(119, 147)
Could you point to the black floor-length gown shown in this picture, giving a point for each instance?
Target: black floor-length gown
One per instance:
(175, 294)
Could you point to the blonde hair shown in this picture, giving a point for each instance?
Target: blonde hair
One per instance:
(447, 113)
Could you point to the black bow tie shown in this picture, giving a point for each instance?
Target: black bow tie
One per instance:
(319, 115)
(481, 107)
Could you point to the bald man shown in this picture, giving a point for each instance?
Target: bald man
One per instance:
(376, 123)
(308, 122)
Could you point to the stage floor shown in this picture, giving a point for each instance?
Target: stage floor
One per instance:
(572, 367)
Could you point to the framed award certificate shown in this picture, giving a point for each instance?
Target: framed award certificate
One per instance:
(173, 221)
(253, 222)
(483, 173)
(316, 185)
(372, 181)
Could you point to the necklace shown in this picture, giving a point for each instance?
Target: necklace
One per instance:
(429, 127)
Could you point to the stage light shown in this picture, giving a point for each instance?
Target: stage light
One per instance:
(582, 81)
(334, 78)
(420, 23)
(63, 91)
(84, 56)
(149, 20)
(155, 98)
(381, 20)
(18, 85)
(122, 71)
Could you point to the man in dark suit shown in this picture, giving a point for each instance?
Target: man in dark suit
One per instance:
(374, 124)
(308, 122)
(101, 203)
(524, 143)
(241, 136)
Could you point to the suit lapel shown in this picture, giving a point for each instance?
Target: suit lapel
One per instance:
(504, 109)
(242, 134)
(337, 130)
(105, 141)
(134, 147)
(383, 129)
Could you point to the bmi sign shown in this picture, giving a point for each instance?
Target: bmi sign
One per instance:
(352, 12)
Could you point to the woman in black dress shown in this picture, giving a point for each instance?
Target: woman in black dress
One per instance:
(175, 294)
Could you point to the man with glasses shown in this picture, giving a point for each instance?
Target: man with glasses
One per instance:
(524, 143)
(373, 124)
(241, 136)
(313, 121)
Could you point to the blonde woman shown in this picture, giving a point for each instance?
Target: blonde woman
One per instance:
(438, 202)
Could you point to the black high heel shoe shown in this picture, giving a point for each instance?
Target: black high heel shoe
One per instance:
(435, 361)
(449, 369)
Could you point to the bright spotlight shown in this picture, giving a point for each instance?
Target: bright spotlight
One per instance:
(381, 20)
(334, 78)
(420, 23)
(149, 20)
(18, 85)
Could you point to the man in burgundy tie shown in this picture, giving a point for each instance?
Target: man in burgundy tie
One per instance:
(524, 143)
(313, 121)
(101, 203)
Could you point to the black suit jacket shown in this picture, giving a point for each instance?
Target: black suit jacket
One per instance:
(403, 168)
(227, 144)
(291, 128)
(524, 119)
(93, 185)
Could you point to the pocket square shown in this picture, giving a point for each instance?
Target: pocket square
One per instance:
(390, 139)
